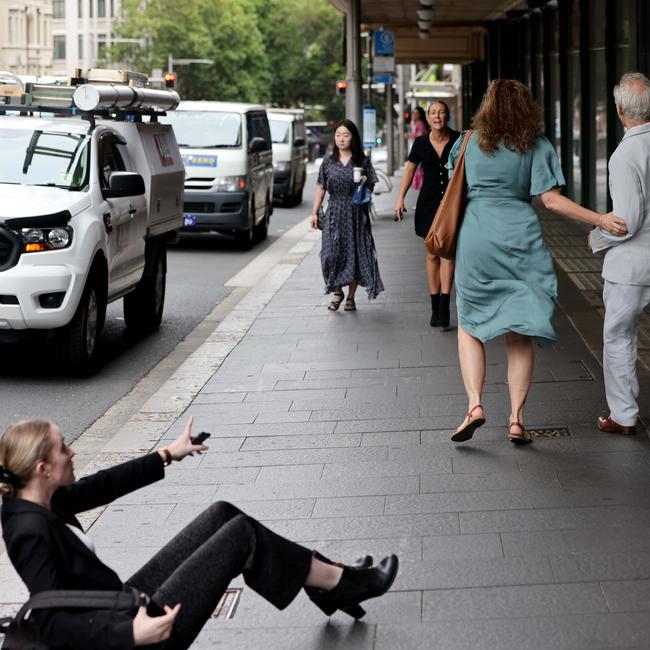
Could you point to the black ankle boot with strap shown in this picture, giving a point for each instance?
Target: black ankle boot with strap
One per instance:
(443, 310)
(435, 306)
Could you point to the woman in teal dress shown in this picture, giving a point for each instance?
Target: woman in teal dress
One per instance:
(505, 282)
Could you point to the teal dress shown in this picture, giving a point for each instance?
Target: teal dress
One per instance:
(505, 280)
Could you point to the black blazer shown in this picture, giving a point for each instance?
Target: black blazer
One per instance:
(47, 555)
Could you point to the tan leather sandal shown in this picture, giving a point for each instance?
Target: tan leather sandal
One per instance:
(518, 437)
(465, 432)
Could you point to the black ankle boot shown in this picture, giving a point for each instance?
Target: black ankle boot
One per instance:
(443, 310)
(355, 611)
(357, 584)
(435, 306)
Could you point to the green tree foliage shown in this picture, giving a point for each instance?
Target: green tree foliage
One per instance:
(284, 52)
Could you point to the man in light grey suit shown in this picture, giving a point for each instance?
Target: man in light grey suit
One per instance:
(626, 268)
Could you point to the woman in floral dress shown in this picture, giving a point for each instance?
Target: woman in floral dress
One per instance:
(348, 255)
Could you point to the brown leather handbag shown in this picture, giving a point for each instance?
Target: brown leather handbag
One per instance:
(441, 238)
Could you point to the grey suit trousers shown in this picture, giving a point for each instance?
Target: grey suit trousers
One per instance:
(624, 305)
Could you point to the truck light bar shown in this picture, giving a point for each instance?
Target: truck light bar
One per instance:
(90, 98)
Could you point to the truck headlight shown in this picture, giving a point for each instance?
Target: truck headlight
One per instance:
(281, 166)
(230, 183)
(46, 239)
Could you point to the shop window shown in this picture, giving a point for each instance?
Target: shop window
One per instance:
(58, 41)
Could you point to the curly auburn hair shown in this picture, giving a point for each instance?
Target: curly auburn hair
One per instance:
(508, 114)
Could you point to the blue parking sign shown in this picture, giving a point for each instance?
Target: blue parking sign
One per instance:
(384, 43)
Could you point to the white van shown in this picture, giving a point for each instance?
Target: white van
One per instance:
(226, 149)
(289, 154)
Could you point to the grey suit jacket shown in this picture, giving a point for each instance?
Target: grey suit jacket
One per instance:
(627, 260)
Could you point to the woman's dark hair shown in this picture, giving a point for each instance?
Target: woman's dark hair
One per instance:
(355, 146)
(422, 116)
(508, 114)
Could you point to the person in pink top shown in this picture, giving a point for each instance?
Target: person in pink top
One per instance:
(418, 127)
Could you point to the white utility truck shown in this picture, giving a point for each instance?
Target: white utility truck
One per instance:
(91, 189)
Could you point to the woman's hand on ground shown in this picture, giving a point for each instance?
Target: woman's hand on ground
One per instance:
(153, 629)
(613, 224)
(313, 221)
(399, 209)
(183, 446)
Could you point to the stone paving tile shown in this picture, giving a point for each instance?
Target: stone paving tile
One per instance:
(328, 637)
(303, 442)
(292, 456)
(574, 632)
(392, 424)
(369, 486)
(442, 548)
(563, 542)
(348, 550)
(212, 475)
(627, 596)
(474, 572)
(289, 473)
(387, 468)
(349, 506)
(499, 481)
(587, 567)
(371, 526)
(389, 439)
(553, 519)
(513, 602)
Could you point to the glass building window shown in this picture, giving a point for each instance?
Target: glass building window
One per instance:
(58, 9)
(101, 8)
(80, 8)
(91, 8)
(80, 45)
(58, 41)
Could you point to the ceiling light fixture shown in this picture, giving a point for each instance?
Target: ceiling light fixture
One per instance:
(425, 14)
(424, 24)
(424, 34)
(426, 3)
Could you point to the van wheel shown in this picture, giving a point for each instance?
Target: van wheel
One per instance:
(262, 228)
(79, 338)
(143, 307)
(245, 238)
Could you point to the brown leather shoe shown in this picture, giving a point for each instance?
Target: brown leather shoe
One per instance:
(606, 424)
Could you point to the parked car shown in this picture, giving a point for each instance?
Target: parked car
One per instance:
(289, 154)
(228, 157)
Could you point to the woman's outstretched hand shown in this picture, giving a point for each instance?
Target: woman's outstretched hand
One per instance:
(183, 446)
(612, 224)
(153, 629)
(399, 209)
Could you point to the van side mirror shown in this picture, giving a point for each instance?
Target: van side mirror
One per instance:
(122, 184)
(299, 142)
(257, 145)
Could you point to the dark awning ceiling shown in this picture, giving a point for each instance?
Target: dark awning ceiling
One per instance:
(456, 34)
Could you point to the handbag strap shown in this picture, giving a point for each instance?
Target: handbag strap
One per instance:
(468, 135)
(62, 598)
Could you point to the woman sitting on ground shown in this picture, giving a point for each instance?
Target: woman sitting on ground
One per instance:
(185, 579)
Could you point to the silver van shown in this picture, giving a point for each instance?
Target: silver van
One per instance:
(228, 157)
(289, 154)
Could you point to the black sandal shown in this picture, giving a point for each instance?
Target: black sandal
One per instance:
(335, 304)
(465, 433)
(350, 305)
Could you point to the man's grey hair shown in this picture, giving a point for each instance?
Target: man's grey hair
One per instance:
(632, 95)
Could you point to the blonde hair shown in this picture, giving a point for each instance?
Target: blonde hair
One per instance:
(22, 446)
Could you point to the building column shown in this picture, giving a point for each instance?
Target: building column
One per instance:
(390, 131)
(353, 64)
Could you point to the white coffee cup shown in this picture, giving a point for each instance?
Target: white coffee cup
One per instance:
(356, 174)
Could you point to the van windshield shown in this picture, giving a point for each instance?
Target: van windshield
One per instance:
(48, 158)
(279, 131)
(205, 129)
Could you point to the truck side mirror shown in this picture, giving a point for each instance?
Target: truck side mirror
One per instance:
(257, 145)
(124, 184)
(299, 142)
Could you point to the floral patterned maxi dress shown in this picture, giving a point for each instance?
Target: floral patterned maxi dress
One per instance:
(348, 251)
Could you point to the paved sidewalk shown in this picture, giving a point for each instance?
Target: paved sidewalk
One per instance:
(333, 428)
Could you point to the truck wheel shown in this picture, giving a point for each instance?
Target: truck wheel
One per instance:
(79, 338)
(262, 229)
(245, 238)
(143, 307)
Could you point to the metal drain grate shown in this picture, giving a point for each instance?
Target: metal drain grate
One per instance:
(551, 432)
(228, 604)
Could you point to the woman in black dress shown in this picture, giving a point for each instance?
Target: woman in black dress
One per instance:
(348, 255)
(431, 152)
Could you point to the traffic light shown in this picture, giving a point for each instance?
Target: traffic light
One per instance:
(341, 87)
(170, 79)
(407, 115)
